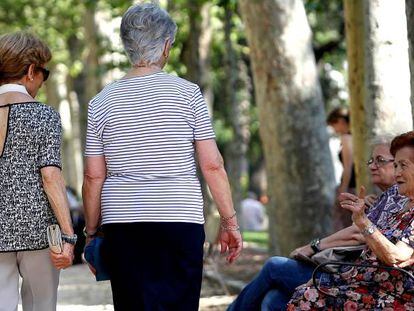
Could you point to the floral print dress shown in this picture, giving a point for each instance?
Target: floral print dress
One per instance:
(364, 288)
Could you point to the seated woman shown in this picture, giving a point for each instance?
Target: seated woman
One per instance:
(276, 282)
(390, 241)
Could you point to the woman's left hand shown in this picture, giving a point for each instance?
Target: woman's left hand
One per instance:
(65, 258)
(355, 204)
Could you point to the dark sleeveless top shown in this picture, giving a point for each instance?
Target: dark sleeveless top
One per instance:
(32, 141)
(352, 180)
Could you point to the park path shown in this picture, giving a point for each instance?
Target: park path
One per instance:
(78, 291)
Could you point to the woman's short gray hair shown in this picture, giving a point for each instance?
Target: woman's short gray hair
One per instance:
(144, 30)
(384, 139)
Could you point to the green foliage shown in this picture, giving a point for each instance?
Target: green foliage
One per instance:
(259, 237)
(61, 23)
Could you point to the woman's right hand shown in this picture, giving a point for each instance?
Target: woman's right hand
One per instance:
(65, 258)
(232, 242)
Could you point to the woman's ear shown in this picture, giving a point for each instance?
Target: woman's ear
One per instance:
(167, 47)
(31, 72)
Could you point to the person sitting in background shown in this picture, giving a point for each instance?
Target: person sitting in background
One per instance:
(390, 241)
(253, 215)
(276, 282)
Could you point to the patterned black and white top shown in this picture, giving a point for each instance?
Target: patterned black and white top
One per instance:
(146, 127)
(32, 141)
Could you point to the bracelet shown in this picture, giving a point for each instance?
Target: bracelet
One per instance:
(87, 234)
(225, 219)
(230, 228)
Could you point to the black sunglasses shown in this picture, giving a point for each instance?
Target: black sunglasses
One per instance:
(45, 72)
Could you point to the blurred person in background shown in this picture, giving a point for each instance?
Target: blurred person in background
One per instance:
(32, 189)
(253, 214)
(145, 132)
(339, 120)
(78, 221)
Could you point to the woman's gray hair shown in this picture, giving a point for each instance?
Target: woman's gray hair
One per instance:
(144, 30)
(384, 139)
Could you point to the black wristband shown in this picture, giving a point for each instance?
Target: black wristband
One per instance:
(314, 244)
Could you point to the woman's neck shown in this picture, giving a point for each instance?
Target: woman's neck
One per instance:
(137, 70)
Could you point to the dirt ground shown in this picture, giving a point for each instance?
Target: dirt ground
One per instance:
(222, 281)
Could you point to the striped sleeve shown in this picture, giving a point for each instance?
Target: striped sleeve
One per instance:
(94, 144)
(203, 128)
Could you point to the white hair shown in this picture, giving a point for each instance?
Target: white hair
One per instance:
(144, 31)
(384, 139)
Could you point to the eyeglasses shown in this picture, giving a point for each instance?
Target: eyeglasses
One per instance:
(45, 72)
(379, 161)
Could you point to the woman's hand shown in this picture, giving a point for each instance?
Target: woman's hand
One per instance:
(65, 258)
(232, 242)
(305, 250)
(355, 204)
(370, 200)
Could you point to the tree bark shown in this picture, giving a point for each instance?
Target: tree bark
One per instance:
(354, 25)
(238, 100)
(409, 10)
(387, 69)
(378, 75)
(92, 78)
(292, 118)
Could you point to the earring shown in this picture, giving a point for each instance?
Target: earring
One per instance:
(31, 79)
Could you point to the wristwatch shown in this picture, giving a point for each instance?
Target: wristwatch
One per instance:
(71, 239)
(314, 244)
(369, 230)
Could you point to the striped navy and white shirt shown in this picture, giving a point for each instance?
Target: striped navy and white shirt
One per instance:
(146, 127)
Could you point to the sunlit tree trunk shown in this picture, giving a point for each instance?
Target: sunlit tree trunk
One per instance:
(409, 9)
(292, 122)
(378, 75)
(75, 138)
(354, 25)
(388, 97)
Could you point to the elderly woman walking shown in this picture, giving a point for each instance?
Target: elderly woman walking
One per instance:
(144, 134)
(32, 190)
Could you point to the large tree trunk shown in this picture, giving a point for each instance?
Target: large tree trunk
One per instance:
(378, 75)
(92, 78)
(292, 118)
(354, 23)
(409, 10)
(388, 97)
(238, 100)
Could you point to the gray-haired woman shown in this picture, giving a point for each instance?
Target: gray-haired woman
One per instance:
(144, 133)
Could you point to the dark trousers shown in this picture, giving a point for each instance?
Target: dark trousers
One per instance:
(155, 266)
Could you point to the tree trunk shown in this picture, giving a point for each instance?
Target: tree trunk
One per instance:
(92, 82)
(409, 10)
(293, 129)
(204, 49)
(354, 25)
(190, 52)
(238, 101)
(388, 97)
(377, 55)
